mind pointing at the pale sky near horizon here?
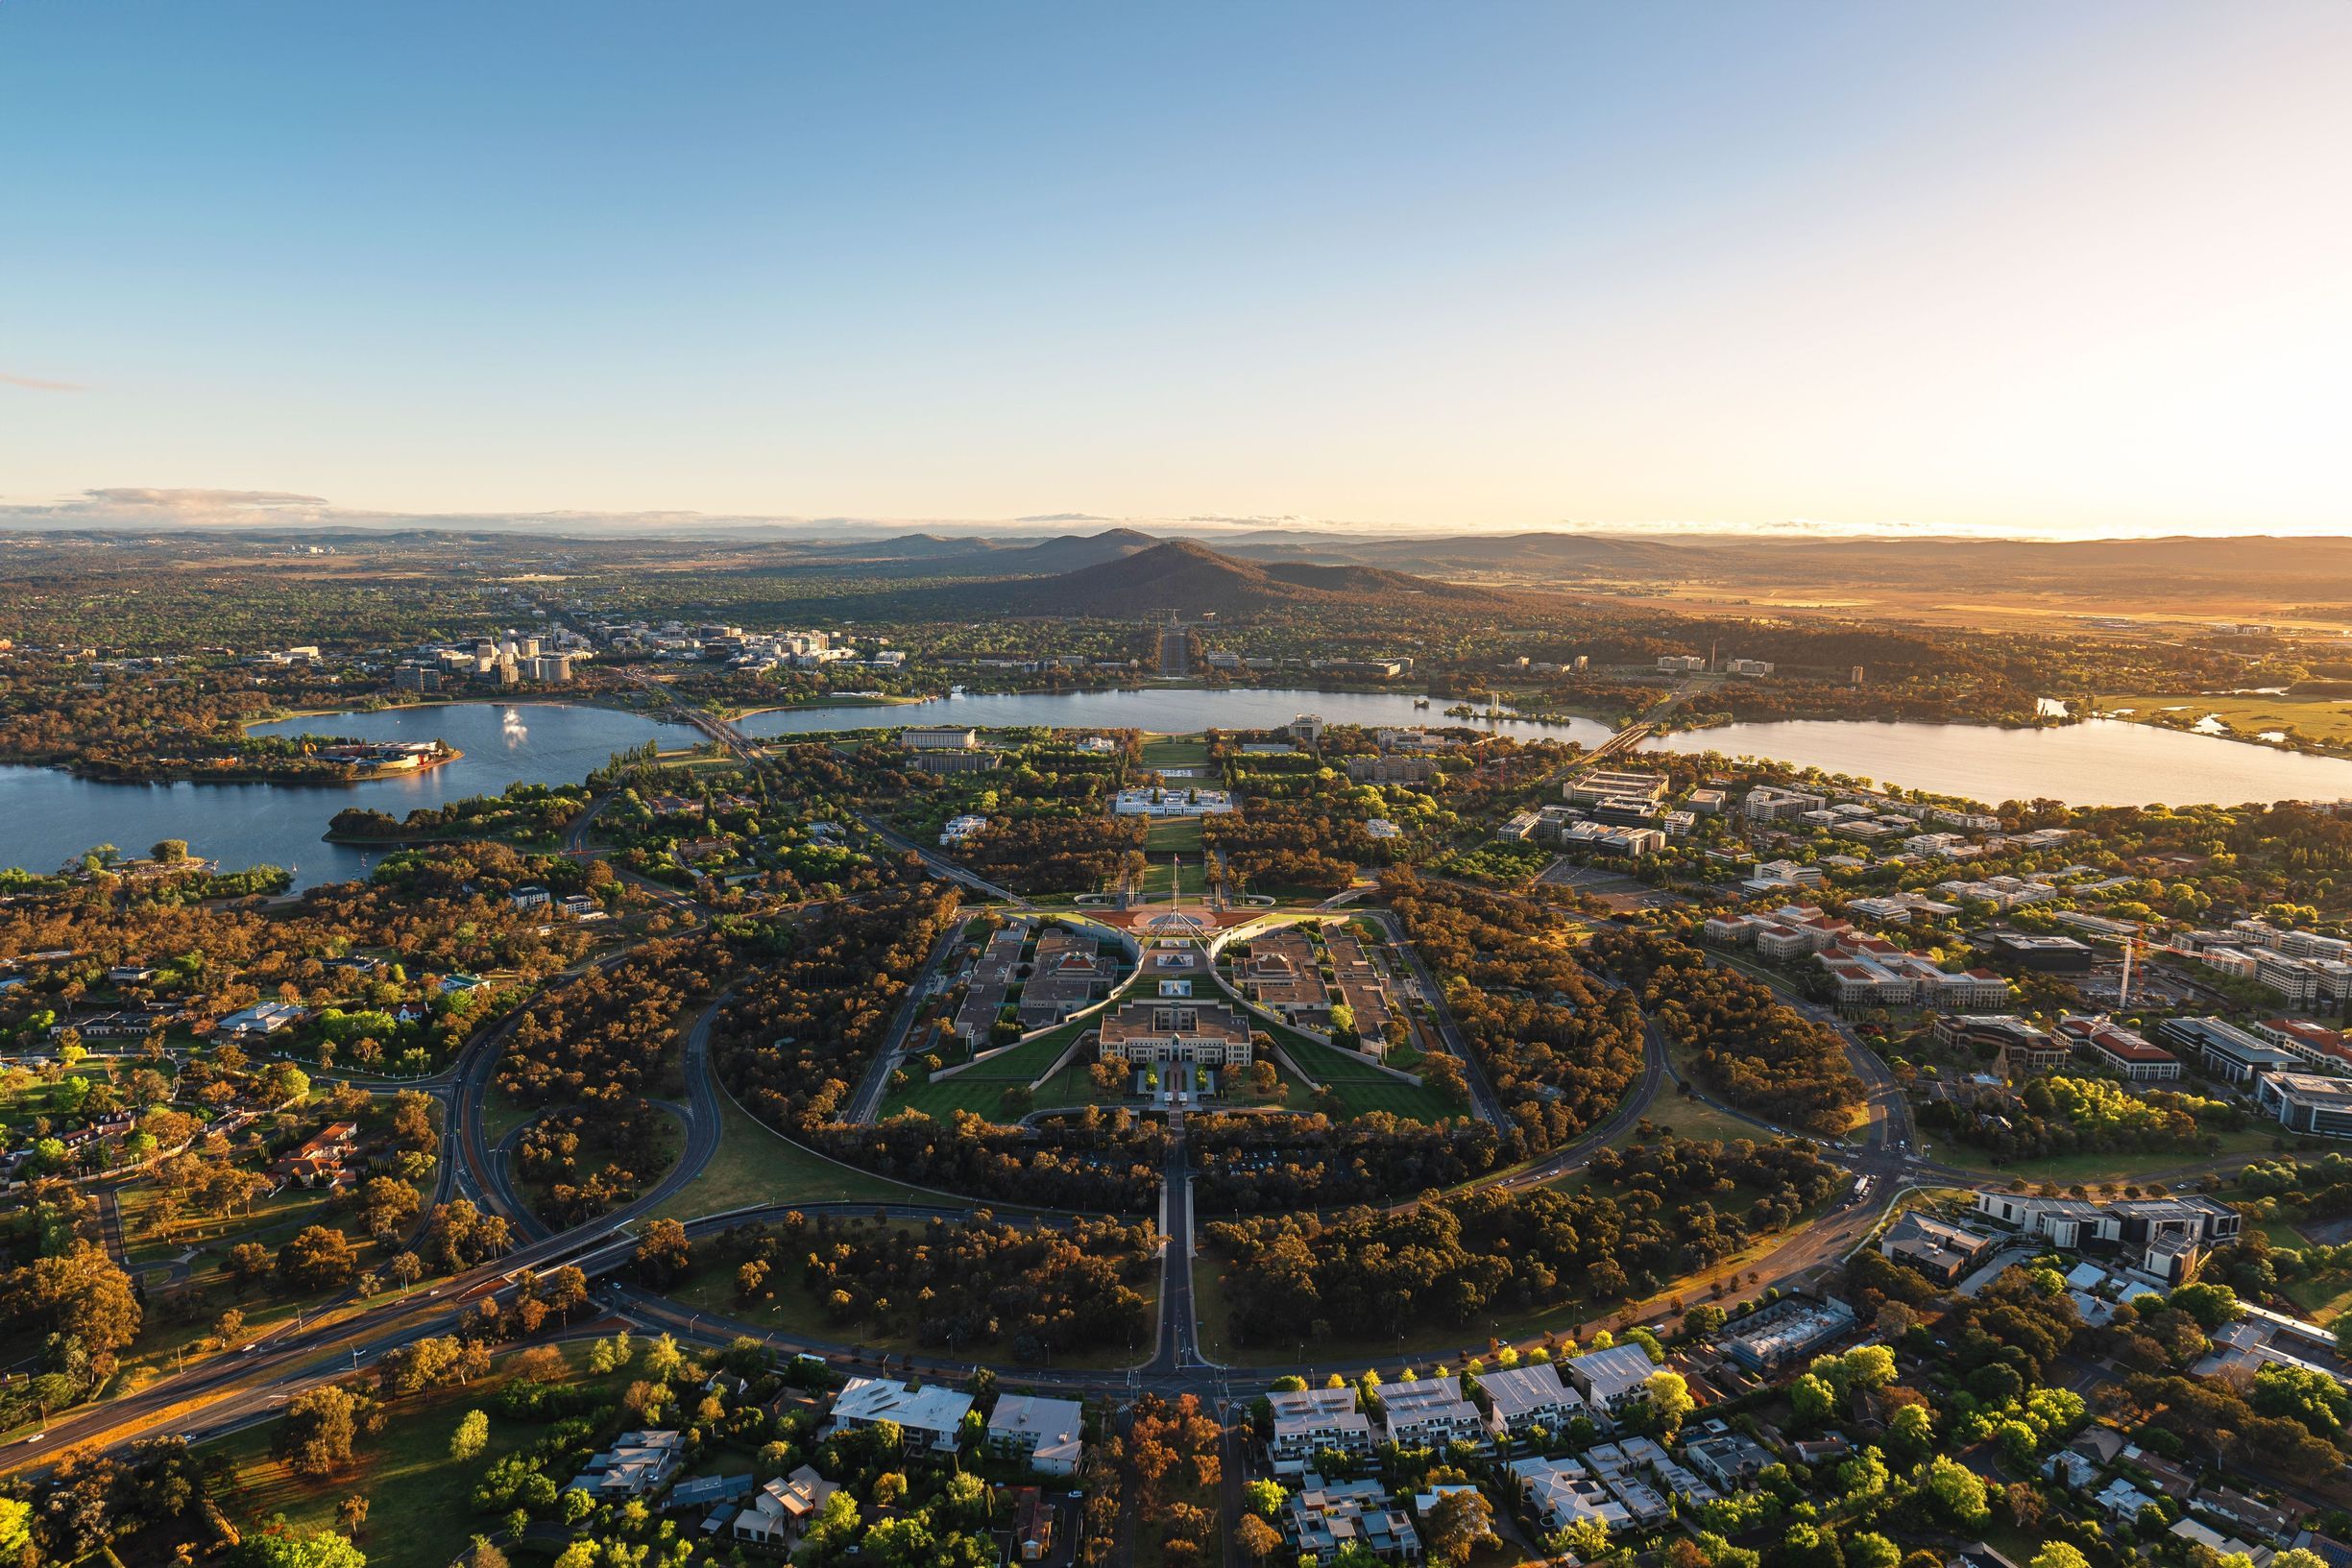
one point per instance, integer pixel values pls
(2008, 267)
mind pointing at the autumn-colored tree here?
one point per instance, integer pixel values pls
(1257, 1539)
(664, 1255)
(317, 1258)
(315, 1437)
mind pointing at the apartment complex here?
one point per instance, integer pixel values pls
(1308, 1420)
(1429, 1412)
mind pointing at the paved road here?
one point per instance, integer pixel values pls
(1177, 1347)
(941, 865)
(1483, 1098)
(867, 1103)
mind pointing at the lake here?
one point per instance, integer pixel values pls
(46, 816)
(2101, 762)
(1167, 710)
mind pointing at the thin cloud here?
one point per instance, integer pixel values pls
(33, 383)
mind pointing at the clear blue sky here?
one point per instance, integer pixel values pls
(2018, 267)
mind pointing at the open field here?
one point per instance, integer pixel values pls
(754, 1165)
(981, 1088)
(1173, 835)
(2317, 719)
(1166, 751)
(1694, 1119)
(1362, 1090)
(2068, 1170)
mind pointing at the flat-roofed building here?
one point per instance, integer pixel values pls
(1943, 1252)
(2307, 1102)
(938, 737)
(1068, 972)
(957, 761)
(2046, 954)
(1597, 785)
(1205, 1033)
(1790, 1328)
(929, 1416)
(991, 982)
(1769, 802)
(2229, 1052)
(1047, 1433)
(1395, 770)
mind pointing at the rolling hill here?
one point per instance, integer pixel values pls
(1191, 578)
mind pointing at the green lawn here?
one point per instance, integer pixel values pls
(273, 1219)
(755, 1165)
(1074, 1085)
(1696, 1119)
(941, 1101)
(981, 1088)
(1360, 1088)
(1171, 836)
(1409, 1101)
(32, 1099)
(2092, 1169)
(502, 1114)
(1166, 751)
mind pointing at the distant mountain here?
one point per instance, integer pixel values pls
(935, 555)
(1191, 578)
(1063, 553)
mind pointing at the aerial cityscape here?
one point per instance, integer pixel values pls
(1274, 788)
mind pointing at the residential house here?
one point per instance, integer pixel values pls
(638, 1465)
(1033, 1525)
(1730, 1460)
(1323, 1517)
(1559, 1493)
(780, 1509)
